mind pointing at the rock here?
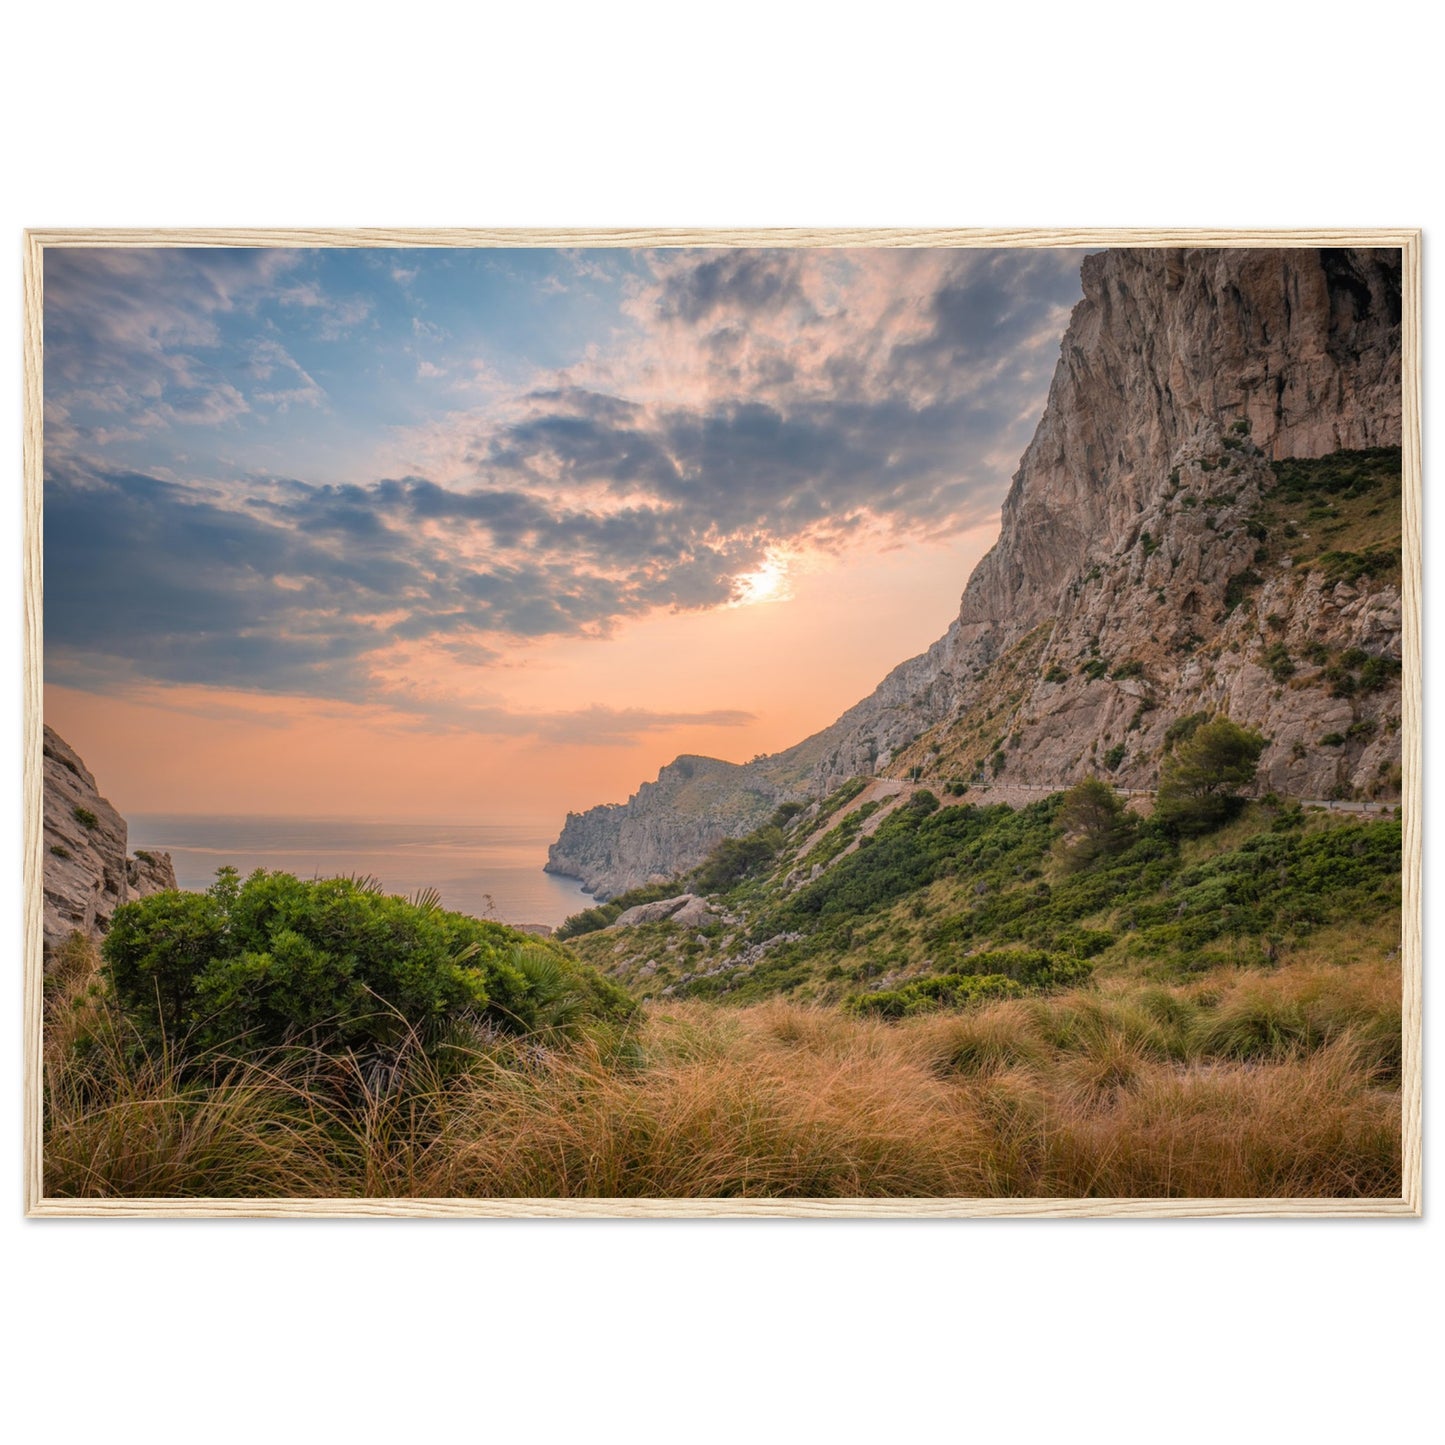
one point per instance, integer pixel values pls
(687, 909)
(1168, 359)
(86, 874)
(84, 862)
(667, 826)
(147, 873)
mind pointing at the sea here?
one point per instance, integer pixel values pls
(488, 870)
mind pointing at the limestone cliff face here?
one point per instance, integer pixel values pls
(86, 873)
(1142, 570)
(666, 825)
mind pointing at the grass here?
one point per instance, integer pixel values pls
(1243, 1084)
(1339, 514)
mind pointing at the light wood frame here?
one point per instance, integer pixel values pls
(1409, 1204)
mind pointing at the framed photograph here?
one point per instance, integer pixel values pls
(895, 723)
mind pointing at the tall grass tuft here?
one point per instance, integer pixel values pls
(1252, 1085)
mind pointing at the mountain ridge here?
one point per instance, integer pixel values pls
(1179, 481)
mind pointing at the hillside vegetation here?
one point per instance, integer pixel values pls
(894, 998)
(962, 890)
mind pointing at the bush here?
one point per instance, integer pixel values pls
(604, 915)
(737, 858)
(333, 965)
(1349, 567)
(1276, 661)
(1183, 728)
(932, 994)
(1005, 973)
(1377, 672)
(85, 818)
(1238, 588)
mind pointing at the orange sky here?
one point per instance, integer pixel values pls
(794, 661)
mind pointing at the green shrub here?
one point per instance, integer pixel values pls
(1183, 728)
(60, 850)
(333, 965)
(1377, 672)
(604, 915)
(932, 994)
(1349, 567)
(1238, 588)
(1002, 973)
(85, 818)
(1114, 756)
(1276, 661)
(1340, 474)
(1333, 740)
(737, 858)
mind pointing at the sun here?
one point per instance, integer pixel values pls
(767, 584)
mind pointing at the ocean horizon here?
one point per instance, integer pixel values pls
(489, 870)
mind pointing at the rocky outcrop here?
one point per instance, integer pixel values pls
(86, 873)
(667, 825)
(1138, 575)
(687, 909)
(147, 873)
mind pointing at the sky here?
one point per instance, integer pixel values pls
(454, 534)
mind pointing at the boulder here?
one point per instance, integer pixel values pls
(686, 909)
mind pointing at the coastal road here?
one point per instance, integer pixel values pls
(1001, 793)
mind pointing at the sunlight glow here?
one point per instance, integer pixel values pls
(768, 584)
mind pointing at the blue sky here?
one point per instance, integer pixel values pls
(247, 362)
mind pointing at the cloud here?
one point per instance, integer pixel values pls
(138, 341)
(742, 404)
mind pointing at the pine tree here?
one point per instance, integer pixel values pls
(1201, 781)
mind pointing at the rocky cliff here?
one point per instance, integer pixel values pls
(86, 873)
(1207, 519)
(668, 824)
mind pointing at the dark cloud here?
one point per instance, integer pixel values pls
(749, 281)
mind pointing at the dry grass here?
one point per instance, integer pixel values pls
(1241, 1085)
